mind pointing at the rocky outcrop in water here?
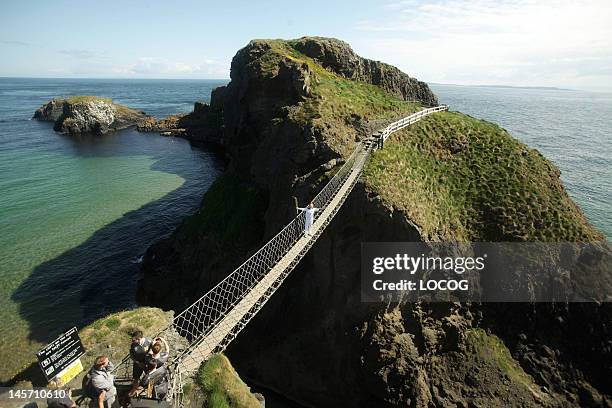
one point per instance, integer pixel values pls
(286, 124)
(50, 111)
(88, 115)
(203, 125)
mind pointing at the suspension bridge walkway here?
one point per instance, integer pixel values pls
(214, 320)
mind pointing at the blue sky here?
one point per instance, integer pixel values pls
(513, 42)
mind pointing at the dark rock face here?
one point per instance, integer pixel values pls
(51, 111)
(315, 341)
(340, 58)
(201, 126)
(318, 343)
(260, 153)
(88, 115)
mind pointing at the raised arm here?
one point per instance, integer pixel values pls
(165, 343)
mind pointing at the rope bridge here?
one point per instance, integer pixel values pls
(214, 320)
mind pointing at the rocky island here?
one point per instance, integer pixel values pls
(291, 114)
(88, 114)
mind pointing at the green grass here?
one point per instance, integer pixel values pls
(233, 211)
(491, 348)
(222, 385)
(87, 98)
(464, 179)
(332, 95)
(335, 102)
(111, 335)
(113, 323)
(338, 98)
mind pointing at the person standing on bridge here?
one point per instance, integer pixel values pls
(309, 213)
(138, 352)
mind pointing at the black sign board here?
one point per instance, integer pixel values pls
(60, 353)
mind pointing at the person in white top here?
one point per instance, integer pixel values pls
(155, 352)
(309, 212)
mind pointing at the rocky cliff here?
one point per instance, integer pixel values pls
(88, 114)
(338, 57)
(291, 113)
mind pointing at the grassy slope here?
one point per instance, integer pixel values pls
(492, 352)
(108, 336)
(333, 97)
(334, 102)
(222, 386)
(464, 179)
(122, 109)
(87, 98)
(111, 335)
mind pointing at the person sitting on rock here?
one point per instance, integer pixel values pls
(138, 353)
(155, 352)
(309, 213)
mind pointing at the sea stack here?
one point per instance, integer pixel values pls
(88, 115)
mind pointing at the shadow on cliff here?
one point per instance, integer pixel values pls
(99, 276)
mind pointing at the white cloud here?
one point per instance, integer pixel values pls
(156, 66)
(518, 42)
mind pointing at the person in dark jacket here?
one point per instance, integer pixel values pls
(153, 383)
(138, 352)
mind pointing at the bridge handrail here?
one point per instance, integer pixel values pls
(284, 240)
(408, 120)
(197, 320)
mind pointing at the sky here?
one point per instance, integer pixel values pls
(565, 44)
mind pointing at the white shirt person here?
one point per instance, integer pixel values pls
(309, 213)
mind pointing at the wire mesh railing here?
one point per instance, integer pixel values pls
(188, 333)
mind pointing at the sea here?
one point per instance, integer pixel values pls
(77, 214)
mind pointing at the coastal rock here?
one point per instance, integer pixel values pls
(339, 57)
(50, 111)
(203, 125)
(285, 128)
(88, 114)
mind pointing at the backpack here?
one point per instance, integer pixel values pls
(87, 386)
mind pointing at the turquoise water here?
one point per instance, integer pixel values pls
(75, 213)
(573, 129)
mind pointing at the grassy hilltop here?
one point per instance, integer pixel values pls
(333, 96)
(459, 178)
(456, 177)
